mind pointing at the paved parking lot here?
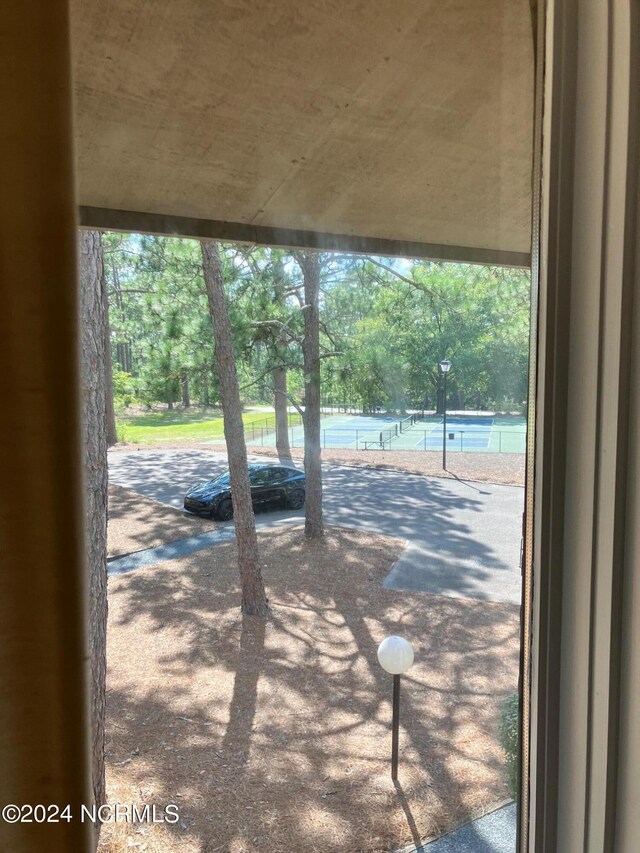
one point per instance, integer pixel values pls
(463, 538)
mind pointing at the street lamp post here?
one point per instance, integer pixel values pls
(395, 655)
(445, 367)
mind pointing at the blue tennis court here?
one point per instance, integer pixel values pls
(462, 434)
(378, 432)
(360, 432)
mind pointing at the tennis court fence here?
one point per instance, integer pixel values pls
(404, 435)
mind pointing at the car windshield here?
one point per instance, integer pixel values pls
(222, 480)
(256, 475)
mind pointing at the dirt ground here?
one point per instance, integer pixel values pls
(505, 468)
(276, 736)
(136, 523)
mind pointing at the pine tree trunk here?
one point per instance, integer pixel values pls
(93, 321)
(254, 599)
(310, 265)
(186, 399)
(282, 415)
(112, 436)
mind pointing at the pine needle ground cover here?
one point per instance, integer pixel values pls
(137, 523)
(276, 736)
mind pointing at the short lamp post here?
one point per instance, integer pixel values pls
(445, 367)
(395, 655)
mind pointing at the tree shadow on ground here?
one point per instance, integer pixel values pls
(137, 523)
(462, 543)
(276, 736)
(467, 542)
(164, 475)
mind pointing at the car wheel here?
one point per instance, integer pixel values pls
(225, 510)
(296, 499)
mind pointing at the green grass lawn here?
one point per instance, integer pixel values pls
(194, 424)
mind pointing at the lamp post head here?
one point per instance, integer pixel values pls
(445, 365)
(395, 655)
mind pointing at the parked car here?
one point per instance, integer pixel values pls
(270, 484)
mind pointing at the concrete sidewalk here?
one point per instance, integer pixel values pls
(180, 548)
(492, 833)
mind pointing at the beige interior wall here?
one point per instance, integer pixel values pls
(43, 707)
(407, 121)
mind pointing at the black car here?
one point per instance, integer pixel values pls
(269, 484)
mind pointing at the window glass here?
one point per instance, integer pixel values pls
(367, 201)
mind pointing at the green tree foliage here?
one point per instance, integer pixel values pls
(509, 727)
(385, 325)
(161, 332)
(398, 321)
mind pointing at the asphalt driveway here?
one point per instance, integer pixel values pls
(463, 538)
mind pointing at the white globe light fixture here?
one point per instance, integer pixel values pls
(395, 655)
